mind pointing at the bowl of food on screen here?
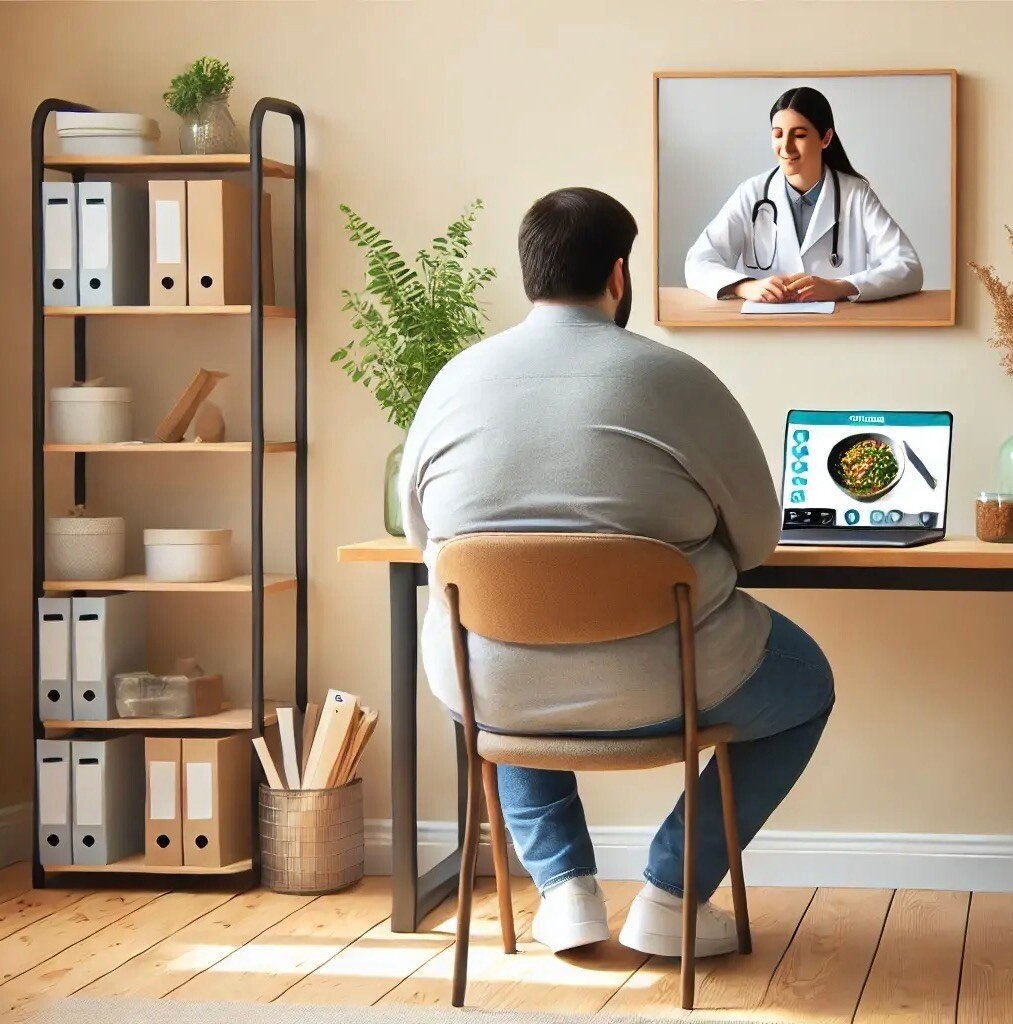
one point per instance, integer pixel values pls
(866, 466)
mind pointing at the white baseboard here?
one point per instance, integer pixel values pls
(844, 859)
(15, 833)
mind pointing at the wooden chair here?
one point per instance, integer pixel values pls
(537, 588)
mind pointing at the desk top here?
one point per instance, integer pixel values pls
(683, 307)
(951, 553)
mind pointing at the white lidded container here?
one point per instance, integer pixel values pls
(85, 547)
(89, 415)
(106, 134)
(188, 556)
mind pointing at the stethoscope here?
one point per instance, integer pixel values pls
(835, 256)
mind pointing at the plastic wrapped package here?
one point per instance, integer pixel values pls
(145, 695)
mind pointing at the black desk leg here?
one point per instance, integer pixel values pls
(412, 897)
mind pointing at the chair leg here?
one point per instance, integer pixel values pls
(497, 833)
(689, 899)
(734, 849)
(469, 855)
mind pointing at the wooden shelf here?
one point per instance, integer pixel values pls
(148, 447)
(159, 163)
(236, 719)
(273, 583)
(135, 865)
(270, 312)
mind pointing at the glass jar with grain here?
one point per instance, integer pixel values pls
(994, 517)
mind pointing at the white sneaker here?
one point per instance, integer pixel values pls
(571, 914)
(654, 925)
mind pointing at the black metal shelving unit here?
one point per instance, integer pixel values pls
(257, 167)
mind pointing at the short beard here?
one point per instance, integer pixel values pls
(622, 314)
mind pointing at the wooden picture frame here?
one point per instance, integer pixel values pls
(679, 306)
(173, 426)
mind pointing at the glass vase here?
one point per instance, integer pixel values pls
(210, 130)
(392, 519)
(1006, 467)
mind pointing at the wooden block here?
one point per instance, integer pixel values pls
(362, 735)
(338, 714)
(267, 763)
(289, 753)
(346, 747)
(309, 727)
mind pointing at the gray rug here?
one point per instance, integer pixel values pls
(158, 1011)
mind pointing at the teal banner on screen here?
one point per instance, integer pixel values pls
(869, 418)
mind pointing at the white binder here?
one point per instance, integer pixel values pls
(107, 779)
(113, 244)
(54, 658)
(59, 243)
(109, 636)
(52, 764)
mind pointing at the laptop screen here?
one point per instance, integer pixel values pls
(866, 469)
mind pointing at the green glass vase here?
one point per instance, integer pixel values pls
(392, 520)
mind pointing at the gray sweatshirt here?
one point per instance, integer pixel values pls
(568, 423)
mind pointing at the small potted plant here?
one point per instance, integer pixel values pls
(414, 321)
(200, 96)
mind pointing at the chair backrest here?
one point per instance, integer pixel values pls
(564, 588)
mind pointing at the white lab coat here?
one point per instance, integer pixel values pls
(878, 257)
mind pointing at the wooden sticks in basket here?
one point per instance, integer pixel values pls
(332, 739)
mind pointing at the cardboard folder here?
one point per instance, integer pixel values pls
(107, 779)
(112, 225)
(109, 636)
(167, 280)
(55, 701)
(216, 799)
(52, 765)
(59, 243)
(219, 244)
(163, 821)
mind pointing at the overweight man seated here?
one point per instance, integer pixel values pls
(570, 423)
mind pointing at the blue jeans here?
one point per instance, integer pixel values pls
(777, 715)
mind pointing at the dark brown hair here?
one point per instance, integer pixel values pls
(815, 108)
(569, 242)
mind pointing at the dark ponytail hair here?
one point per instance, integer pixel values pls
(815, 107)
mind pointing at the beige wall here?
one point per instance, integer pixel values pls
(413, 109)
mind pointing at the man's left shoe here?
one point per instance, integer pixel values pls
(571, 914)
(654, 925)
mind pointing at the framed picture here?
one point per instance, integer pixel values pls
(815, 198)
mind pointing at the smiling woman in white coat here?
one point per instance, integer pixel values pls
(812, 229)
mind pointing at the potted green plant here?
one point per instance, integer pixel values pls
(414, 320)
(200, 96)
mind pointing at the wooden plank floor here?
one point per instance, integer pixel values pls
(853, 956)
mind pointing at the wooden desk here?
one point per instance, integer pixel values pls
(683, 307)
(951, 564)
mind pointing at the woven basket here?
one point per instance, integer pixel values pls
(311, 841)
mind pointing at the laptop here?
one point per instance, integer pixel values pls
(866, 479)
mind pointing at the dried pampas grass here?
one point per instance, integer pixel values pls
(1001, 295)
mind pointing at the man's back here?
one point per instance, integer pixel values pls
(568, 423)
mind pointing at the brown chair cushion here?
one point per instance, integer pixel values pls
(572, 753)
